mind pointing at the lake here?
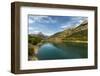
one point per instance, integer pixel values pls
(52, 51)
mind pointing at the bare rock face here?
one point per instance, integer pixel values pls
(82, 26)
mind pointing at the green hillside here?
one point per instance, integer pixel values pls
(77, 34)
(81, 35)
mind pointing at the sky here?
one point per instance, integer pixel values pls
(50, 25)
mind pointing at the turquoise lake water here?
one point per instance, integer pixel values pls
(51, 51)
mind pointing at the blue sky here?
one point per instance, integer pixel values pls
(50, 25)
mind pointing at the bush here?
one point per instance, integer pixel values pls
(30, 50)
(34, 40)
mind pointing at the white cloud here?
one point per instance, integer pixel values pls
(67, 26)
(31, 21)
(51, 20)
(37, 18)
(30, 28)
(41, 19)
(36, 31)
(74, 22)
(64, 26)
(80, 21)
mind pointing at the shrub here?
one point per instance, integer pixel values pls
(34, 40)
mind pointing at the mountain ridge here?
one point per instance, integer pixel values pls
(77, 34)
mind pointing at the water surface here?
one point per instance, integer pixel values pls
(50, 51)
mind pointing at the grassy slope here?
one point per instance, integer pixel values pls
(79, 34)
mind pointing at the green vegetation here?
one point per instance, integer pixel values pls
(31, 50)
(80, 36)
(34, 39)
(32, 46)
(76, 35)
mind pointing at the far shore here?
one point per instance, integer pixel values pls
(78, 41)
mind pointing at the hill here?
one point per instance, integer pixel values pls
(76, 34)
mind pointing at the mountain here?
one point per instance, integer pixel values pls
(78, 33)
(40, 34)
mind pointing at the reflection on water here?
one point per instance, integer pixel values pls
(48, 51)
